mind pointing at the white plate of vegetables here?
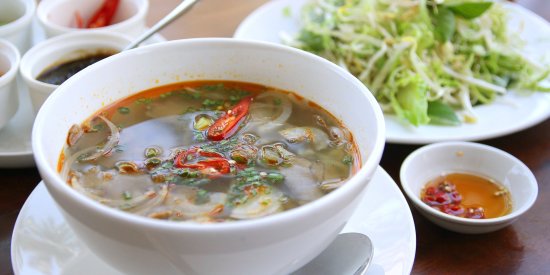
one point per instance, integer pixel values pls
(441, 70)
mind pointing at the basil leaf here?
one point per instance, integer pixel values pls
(442, 114)
(444, 23)
(470, 10)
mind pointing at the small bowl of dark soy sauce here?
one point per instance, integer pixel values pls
(60, 72)
(50, 63)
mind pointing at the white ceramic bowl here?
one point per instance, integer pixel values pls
(9, 64)
(58, 16)
(276, 244)
(60, 49)
(432, 160)
(19, 13)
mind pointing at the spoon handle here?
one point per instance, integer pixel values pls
(183, 7)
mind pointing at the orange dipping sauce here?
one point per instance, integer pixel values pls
(468, 196)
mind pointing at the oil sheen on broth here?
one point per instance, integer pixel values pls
(209, 151)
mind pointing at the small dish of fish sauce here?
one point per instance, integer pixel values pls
(467, 195)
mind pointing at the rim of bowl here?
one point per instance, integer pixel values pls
(30, 8)
(14, 59)
(28, 58)
(532, 183)
(367, 167)
(44, 8)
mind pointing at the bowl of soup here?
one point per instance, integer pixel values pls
(209, 156)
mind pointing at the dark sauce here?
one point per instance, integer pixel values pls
(57, 74)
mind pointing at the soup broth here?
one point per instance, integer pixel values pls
(209, 151)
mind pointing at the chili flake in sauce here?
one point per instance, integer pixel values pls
(468, 196)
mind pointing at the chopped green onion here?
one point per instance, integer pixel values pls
(202, 196)
(144, 101)
(152, 151)
(124, 110)
(276, 177)
(202, 122)
(127, 195)
(348, 159)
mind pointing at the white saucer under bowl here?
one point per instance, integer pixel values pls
(42, 243)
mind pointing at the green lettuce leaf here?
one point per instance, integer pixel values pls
(410, 100)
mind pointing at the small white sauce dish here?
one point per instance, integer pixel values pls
(61, 49)
(58, 16)
(15, 22)
(432, 160)
(9, 64)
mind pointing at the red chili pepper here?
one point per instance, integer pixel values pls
(78, 20)
(213, 160)
(104, 15)
(224, 127)
(213, 167)
(193, 153)
(221, 165)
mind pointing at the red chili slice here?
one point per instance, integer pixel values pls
(193, 153)
(78, 20)
(213, 165)
(225, 126)
(104, 15)
(221, 165)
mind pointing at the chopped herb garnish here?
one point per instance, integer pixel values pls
(144, 101)
(153, 162)
(212, 103)
(165, 95)
(277, 101)
(276, 177)
(347, 160)
(202, 196)
(153, 151)
(189, 110)
(127, 195)
(124, 110)
(212, 88)
(202, 122)
(198, 136)
(97, 128)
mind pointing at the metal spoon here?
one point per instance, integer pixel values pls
(183, 7)
(350, 253)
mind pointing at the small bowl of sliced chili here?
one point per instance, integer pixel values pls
(468, 187)
(63, 16)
